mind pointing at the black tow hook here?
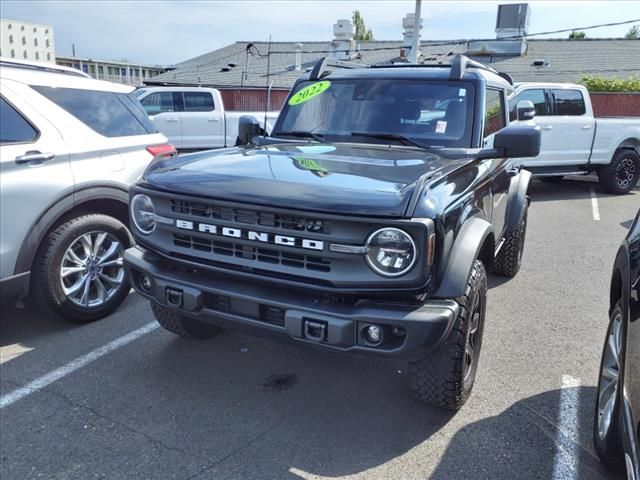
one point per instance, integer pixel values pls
(174, 297)
(315, 331)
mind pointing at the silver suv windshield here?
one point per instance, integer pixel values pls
(374, 110)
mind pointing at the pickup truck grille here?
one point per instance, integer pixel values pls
(274, 243)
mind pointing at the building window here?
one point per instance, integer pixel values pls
(24, 40)
(35, 42)
(48, 57)
(13, 53)
(24, 54)
(35, 29)
(10, 38)
(22, 28)
(46, 42)
(100, 70)
(37, 56)
(9, 27)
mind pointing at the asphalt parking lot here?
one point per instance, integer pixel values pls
(159, 407)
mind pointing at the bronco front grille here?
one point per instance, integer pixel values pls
(248, 216)
(248, 252)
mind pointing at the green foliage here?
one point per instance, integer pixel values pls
(362, 33)
(577, 35)
(633, 33)
(599, 84)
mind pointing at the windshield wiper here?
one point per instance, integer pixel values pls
(299, 133)
(390, 136)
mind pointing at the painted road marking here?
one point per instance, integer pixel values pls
(565, 463)
(73, 365)
(594, 205)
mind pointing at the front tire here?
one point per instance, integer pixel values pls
(606, 428)
(622, 174)
(79, 271)
(445, 377)
(182, 325)
(509, 259)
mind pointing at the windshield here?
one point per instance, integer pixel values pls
(374, 110)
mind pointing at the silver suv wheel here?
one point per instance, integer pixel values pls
(92, 269)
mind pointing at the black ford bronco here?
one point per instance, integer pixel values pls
(366, 222)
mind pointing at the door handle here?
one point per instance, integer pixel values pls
(586, 127)
(547, 127)
(173, 120)
(34, 156)
(213, 119)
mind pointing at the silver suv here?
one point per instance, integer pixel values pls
(69, 148)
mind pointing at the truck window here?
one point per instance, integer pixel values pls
(107, 113)
(535, 96)
(158, 102)
(494, 118)
(568, 102)
(198, 102)
(13, 126)
(431, 112)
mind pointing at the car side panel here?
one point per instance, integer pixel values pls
(27, 189)
(610, 134)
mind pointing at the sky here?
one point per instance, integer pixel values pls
(166, 33)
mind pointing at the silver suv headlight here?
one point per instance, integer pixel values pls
(143, 214)
(391, 252)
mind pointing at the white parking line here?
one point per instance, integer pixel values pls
(565, 462)
(72, 366)
(594, 205)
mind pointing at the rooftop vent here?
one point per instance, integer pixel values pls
(511, 29)
(343, 44)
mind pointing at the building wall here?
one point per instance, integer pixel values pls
(252, 99)
(616, 104)
(112, 71)
(27, 41)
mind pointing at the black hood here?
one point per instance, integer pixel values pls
(343, 178)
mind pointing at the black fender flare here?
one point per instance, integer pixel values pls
(518, 198)
(56, 210)
(466, 249)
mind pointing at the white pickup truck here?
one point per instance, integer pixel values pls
(574, 142)
(194, 118)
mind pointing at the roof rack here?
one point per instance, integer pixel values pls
(325, 62)
(460, 64)
(42, 67)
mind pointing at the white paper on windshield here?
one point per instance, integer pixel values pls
(441, 126)
(462, 92)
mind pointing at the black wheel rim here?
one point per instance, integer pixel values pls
(625, 172)
(472, 344)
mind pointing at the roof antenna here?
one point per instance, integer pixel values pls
(267, 99)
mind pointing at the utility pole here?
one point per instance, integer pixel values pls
(73, 50)
(415, 39)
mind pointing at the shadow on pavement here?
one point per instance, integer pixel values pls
(547, 436)
(570, 188)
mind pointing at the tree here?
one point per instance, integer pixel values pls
(633, 33)
(362, 33)
(577, 35)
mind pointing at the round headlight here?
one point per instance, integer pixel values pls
(390, 252)
(143, 213)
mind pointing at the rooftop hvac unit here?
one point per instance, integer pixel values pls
(513, 19)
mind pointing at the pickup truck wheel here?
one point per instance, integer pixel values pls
(445, 377)
(507, 262)
(606, 428)
(182, 325)
(622, 174)
(78, 271)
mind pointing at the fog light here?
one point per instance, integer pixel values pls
(373, 334)
(145, 283)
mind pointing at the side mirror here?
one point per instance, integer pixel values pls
(526, 110)
(248, 129)
(518, 141)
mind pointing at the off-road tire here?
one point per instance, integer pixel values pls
(182, 325)
(509, 258)
(610, 449)
(607, 174)
(45, 283)
(438, 378)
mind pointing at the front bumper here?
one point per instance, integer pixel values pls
(264, 310)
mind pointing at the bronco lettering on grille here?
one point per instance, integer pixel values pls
(251, 235)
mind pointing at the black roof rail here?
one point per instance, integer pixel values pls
(43, 68)
(325, 62)
(460, 64)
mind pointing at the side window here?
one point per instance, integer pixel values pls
(198, 102)
(568, 102)
(535, 96)
(158, 102)
(494, 118)
(14, 128)
(107, 113)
